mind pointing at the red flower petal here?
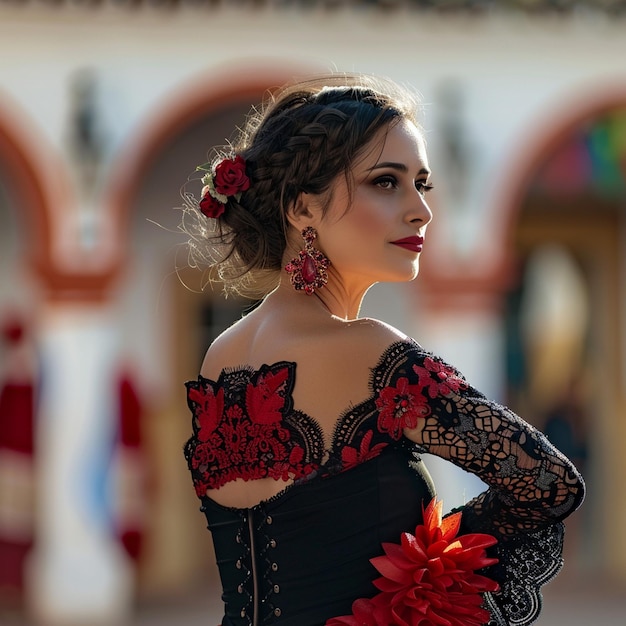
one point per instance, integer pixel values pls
(210, 206)
(450, 526)
(390, 567)
(429, 579)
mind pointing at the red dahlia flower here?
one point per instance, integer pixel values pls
(429, 579)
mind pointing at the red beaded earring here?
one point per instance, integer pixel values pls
(308, 269)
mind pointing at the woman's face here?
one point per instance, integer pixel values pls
(379, 235)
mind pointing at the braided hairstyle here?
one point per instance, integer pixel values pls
(305, 137)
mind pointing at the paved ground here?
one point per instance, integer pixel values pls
(588, 603)
(567, 603)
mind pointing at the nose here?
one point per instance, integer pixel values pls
(419, 211)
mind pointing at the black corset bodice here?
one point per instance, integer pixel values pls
(297, 560)
(303, 556)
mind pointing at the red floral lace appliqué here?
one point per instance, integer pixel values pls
(400, 407)
(248, 439)
(429, 578)
(351, 457)
(438, 379)
(403, 404)
(245, 425)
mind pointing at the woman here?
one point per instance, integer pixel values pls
(309, 420)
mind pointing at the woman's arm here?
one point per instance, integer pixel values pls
(531, 483)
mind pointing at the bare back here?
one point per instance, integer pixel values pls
(333, 360)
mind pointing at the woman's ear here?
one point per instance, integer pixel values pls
(302, 212)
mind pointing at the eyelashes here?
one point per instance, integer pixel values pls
(391, 182)
(386, 182)
(423, 187)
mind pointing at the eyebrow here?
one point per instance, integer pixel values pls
(398, 166)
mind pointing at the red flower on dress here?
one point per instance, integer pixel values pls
(293, 468)
(429, 579)
(400, 407)
(351, 457)
(364, 613)
(210, 206)
(207, 410)
(265, 443)
(230, 176)
(438, 378)
(246, 438)
(265, 397)
(204, 455)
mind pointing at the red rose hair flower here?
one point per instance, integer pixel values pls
(430, 578)
(230, 177)
(210, 206)
(227, 179)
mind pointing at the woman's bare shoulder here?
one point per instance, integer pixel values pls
(228, 350)
(334, 359)
(340, 362)
(349, 350)
(374, 330)
(367, 337)
(336, 347)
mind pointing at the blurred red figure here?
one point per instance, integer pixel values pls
(131, 486)
(17, 401)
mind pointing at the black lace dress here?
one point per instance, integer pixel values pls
(302, 557)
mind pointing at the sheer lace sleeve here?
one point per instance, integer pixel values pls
(532, 483)
(532, 486)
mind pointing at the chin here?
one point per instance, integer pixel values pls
(402, 277)
(394, 273)
(413, 272)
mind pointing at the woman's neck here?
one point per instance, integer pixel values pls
(334, 298)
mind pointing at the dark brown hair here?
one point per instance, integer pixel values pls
(302, 139)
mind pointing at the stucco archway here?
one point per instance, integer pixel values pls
(159, 320)
(39, 186)
(28, 185)
(586, 226)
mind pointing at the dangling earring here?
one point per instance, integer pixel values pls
(308, 269)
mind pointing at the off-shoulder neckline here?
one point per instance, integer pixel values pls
(225, 372)
(406, 345)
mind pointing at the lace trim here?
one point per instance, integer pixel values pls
(226, 446)
(244, 426)
(526, 563)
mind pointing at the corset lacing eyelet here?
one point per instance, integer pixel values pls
(243, 566)
(268, 566)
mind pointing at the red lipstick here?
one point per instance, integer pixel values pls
(410, 243)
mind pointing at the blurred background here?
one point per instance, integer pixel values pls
(107, 106)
